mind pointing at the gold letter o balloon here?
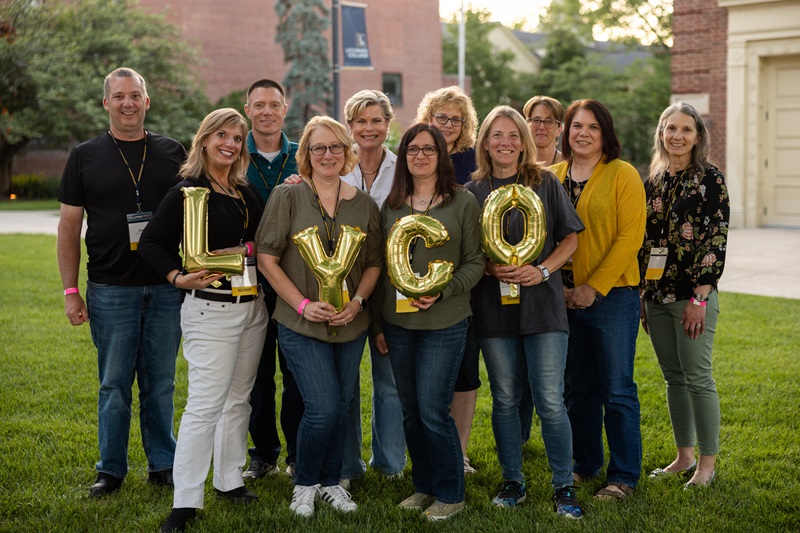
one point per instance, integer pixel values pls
(495, 246)
(398, 243)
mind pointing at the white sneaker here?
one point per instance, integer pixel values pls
(344, 483)
(338, 498)
(303, 499)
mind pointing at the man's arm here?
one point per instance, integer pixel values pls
(69, 258)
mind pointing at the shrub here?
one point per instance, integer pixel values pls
(34, 186)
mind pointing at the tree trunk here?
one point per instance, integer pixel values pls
(7, 154)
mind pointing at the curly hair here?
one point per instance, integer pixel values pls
(453, 95)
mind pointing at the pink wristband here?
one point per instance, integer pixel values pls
(302, 306)
(249, 248)
(698, 302)
(71, 290)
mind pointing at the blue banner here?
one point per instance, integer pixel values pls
(354, 37)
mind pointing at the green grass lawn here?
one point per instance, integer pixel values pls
(48, 442)
(29, 205)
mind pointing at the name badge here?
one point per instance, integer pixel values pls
(345, 293)
(508, 296)
(136, 225)
(403, 304)
(656, 264)
(247, 283)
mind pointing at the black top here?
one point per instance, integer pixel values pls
(97, 179)
(541, 308)
(464, 163)
(226, 221)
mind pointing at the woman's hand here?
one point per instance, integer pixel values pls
(240, 249)
(196, 280)
(380, 342)
(425, 302)
(348, 314)
(319, 312)
(526, 275)
(694, 320)
(582, 296)
(294, 179)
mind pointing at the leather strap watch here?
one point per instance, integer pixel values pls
(545, 272)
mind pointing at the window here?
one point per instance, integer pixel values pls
(393, 87)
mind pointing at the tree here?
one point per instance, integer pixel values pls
(494, 82)
(636, 21)
(301, 24)
(54, 57)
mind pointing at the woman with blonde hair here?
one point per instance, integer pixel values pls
(223, 330)
(524, 343)
(322, 345)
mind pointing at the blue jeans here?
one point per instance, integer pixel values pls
(425, 365)
(600, 387)
(536, 363)
(388, 438)
(137, 333)
(326, 374)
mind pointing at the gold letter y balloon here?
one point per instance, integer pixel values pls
(195, 237)
(398, 243)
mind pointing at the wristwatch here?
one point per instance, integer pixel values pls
(361, 302)
(545, 272)
(701, 297)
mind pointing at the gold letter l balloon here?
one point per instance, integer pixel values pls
(330, 270)
(398, 242)
(495, 246)
(195, 237)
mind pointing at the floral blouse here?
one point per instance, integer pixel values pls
(697, 210)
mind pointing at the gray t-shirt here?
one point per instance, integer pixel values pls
(541, 308)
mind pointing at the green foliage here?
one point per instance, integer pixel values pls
(236, 100)
(34, 186)
(301, 25)
(52, 71)
(494, 82)
(48, 437)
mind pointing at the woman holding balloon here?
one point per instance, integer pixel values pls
(319, 246)
(425, 324)
(520, 318)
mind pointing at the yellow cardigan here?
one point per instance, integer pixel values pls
(613, 209)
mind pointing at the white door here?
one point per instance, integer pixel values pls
(781, 184)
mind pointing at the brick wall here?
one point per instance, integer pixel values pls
(699, 62)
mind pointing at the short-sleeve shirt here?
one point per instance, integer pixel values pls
(541, 308)
(97, 179)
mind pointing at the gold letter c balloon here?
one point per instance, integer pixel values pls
(495, 246)
(398, 243)
(195, 237)
(330, 270)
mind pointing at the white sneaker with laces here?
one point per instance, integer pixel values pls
(303, 499)
(338, 498)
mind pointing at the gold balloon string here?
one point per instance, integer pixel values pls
(245, 213)
(329, 231)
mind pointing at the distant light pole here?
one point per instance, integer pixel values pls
(462, 47)
(336, 66)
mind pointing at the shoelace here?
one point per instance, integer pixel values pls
(337, 493)
(305, 495)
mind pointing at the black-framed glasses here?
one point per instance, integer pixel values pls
(320, 149)
(444, 119)
(427, 150)
(547, 123)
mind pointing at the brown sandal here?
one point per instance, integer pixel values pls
(620, 491)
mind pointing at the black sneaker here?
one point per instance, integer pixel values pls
(178, 518)
(238, 495)
(162, 478)
(509, 494)
(259, 468)
(565, 503)
(105, 484)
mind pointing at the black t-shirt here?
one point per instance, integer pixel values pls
(541, 308)
(97, 179)
(230, 222)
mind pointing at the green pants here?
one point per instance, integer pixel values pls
(686, 365)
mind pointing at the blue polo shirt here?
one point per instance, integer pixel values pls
(265, 176)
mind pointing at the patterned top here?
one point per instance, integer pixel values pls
(697, 207)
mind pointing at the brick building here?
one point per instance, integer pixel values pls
(738, 63)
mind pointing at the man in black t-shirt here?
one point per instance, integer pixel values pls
(118, 179)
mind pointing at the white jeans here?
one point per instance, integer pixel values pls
(222, 344)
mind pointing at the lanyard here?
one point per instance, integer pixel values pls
(245, 213)
(568, 184)
(253, 160)
(330, 232)
(507, 216)
(127, 165)
(665, 221)
(378, 171)
(413, 244)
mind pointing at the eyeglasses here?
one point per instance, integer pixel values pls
(320, 149)
(427, 150)
(444, 119)
(547, 123)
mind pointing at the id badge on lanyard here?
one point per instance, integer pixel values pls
(506, 294)
(656, 264)
(403, 303)
(136, 224)
(247, 283)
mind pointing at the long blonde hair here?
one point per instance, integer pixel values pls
(197, 162)
(528, 168)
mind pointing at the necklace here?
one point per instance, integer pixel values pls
(229, 191)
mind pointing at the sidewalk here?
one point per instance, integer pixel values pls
(762, 261)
